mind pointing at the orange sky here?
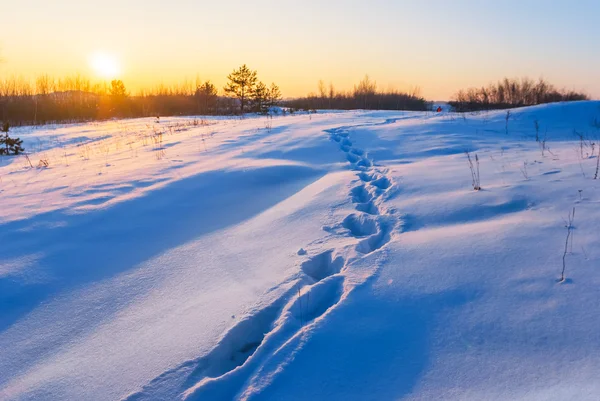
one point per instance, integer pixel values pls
(439, 46)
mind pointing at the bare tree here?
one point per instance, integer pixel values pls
(511, 92)
(322, 93)
(364, 95)
(331, 93)
(365, 91)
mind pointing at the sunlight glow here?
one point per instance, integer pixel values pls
(105, 65)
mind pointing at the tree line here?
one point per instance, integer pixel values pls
(365, 95)
(75, 99)
(509, 93)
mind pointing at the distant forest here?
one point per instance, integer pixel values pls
(76, 99)
(510, 93)
(365, 95)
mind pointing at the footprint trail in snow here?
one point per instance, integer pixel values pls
(254, 351)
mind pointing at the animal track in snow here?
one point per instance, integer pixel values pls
(237, 346)
(262, 333)
(373, 225)
(360, 225)
(360, 194)
(232, 351)
(375, 241)
(322, 265)
(352, 158)
(367, 207)
(317, 299)
(382, 182)
(365, 177)
(364, 163)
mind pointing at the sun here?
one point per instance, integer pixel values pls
(105, 65)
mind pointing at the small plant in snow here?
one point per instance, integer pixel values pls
(8, 145)
(569, 227)
(28, 160)
(536, 124)
(506, 118)
(543, 146)
(474, 171)
(157, 138)
(44, 163)
(524, 171)
(269, 123)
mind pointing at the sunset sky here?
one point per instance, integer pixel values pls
(440, 46)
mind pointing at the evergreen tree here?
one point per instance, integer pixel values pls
(8, 145)
(274, 95)
(241, 84)
(260, 98)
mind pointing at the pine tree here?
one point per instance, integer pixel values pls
(4, 139)
(260, 98)
(8, 145)
(241, 84)
(274, 95)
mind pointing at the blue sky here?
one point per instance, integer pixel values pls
(439, 46)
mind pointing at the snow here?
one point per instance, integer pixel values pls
(341, 255)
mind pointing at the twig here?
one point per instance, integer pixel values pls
(597, 164)
(569, 227)
(524, 170)
(28, 161)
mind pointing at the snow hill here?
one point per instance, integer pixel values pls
(336, 256)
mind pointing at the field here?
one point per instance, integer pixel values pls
(338, 255)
